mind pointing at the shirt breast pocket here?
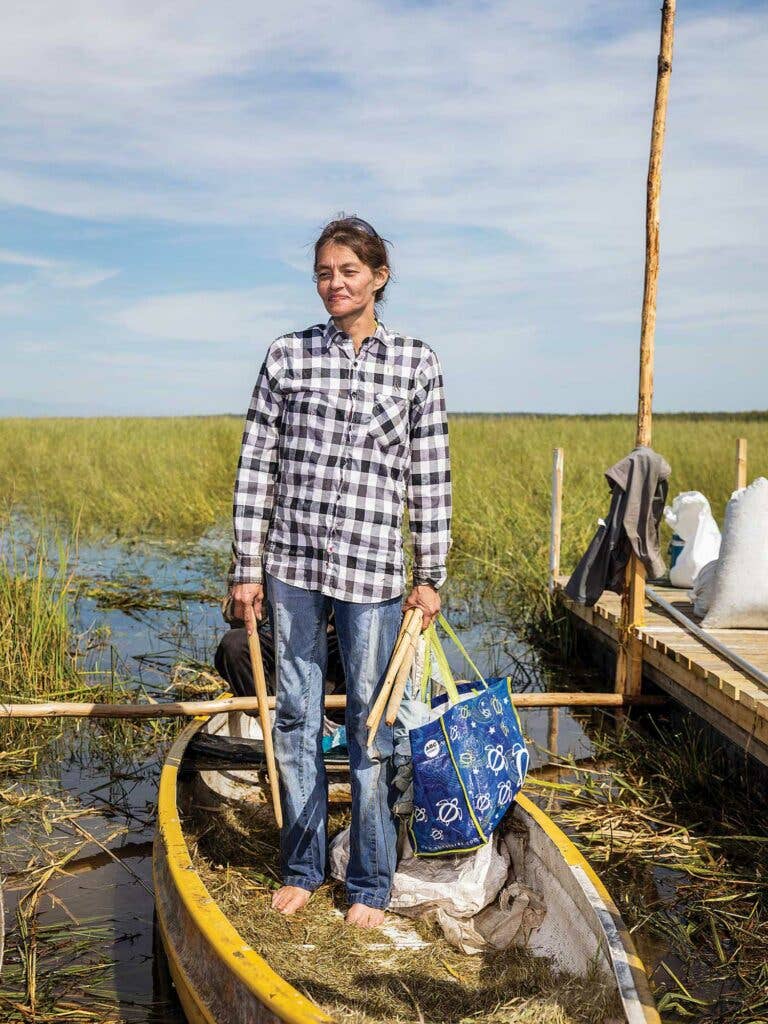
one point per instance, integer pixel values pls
(389, 420)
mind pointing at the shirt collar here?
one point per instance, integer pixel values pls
(332, 332)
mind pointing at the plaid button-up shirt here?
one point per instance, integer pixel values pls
(335, 443)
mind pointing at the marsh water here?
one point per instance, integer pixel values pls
(142, 610)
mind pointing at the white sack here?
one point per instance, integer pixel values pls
(701, 595)
(740, 589)
(459, 884)
(691, 519)
(510, 919)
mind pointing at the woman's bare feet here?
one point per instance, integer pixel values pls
(364, 917)
(290, 898)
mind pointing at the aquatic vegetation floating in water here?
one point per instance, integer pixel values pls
(680, 837)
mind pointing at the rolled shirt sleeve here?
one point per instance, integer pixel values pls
(257, 470)
(429, 483)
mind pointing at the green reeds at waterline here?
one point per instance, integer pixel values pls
(172, 479)
(37, 649)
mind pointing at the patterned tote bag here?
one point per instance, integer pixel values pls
(469, 762)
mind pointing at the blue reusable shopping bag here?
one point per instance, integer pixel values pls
(468, 764)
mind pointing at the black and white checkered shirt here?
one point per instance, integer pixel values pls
(334, 442)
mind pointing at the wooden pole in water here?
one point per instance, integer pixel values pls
(741, 463)
(226, 705)
(558, 459)
(629, 660)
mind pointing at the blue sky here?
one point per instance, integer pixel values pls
(166, 167)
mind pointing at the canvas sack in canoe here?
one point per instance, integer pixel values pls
(469, 762)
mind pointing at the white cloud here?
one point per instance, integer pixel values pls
(503, 147)
(208, 316)
(59, 273)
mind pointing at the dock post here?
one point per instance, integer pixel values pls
(629, 660)
(741, 463)
(558, 459)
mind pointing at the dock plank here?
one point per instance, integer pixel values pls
(672, 653)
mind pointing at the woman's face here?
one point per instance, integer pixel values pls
(346, 285)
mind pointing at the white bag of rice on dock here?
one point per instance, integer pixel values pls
(701, 594)
(461, 885)
(739, 597)
(690, 517)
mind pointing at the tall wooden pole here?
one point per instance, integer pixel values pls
(558, 457)
(741, 463)
(629, 664)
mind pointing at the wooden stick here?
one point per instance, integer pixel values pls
(741, 463)
(406, 645)
(398, 689)
(401, 646)
(257, 667)
(553, 730)
(557, 517)
(629, 659)
(205, 708)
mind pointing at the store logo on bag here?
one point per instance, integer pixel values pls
(483, 802)
(504, 791)
(431, 748)
(449, 811)
(496, 760)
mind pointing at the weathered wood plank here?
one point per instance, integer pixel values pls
(670, 651)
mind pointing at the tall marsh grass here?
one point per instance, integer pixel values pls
(172, 479)
(37, 649)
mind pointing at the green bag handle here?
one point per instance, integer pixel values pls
(434, 649)
(462, 649)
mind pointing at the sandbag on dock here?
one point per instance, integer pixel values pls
(740, 588)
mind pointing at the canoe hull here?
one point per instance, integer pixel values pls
(222, 980)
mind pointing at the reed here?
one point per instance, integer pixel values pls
(36, 643)
(172, 479)
(663, 808)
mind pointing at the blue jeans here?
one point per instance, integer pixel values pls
(367, 635)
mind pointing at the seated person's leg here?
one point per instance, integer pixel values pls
(233, 663)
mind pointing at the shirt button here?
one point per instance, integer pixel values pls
(354, 365)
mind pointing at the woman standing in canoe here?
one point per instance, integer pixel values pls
(346, 423)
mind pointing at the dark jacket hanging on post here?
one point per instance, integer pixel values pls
(639, 485)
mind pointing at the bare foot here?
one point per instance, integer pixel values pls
(290, 898)
(364, 917)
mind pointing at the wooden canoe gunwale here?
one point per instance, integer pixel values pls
(240, 985)
(245, 987)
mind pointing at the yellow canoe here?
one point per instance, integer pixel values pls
(221, 979)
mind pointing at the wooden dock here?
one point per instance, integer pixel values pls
(682, 666)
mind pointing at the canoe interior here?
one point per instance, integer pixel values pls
(582, 928)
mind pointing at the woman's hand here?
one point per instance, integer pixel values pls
(248, 600)
(426, 598)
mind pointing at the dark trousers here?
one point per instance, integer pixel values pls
(233, 663)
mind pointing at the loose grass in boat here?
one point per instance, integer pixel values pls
(376, 977)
